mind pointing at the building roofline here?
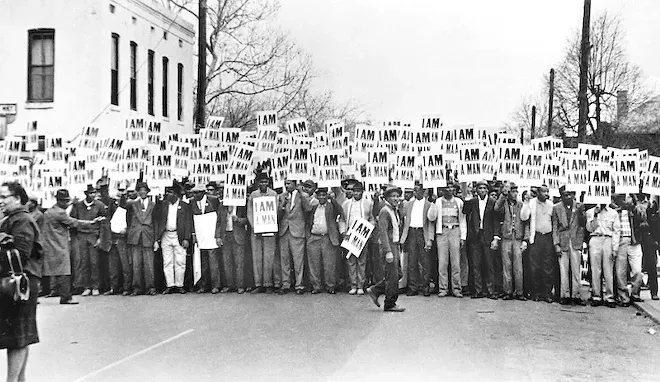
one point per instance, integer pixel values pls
(165, 15)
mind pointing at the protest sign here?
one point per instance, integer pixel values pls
(651, 180)
(577, 172)
(264, 209)
(235, 188)
(377, 170)
(160, 171)
(329, 174)
(358, 235)
(297, 127)
(214, 122)
(118, 221)
(203, 171)
(266, 118)
(434, 171)
(470, 163)
(219, 156)
(626, 173)
(365, 138)
(432, 121)
(554, 176)
(404, 170)
(31, 137)
(531, 168)
(599, 186)
(509, 160)
(180, 158)
(241, 158)
(88, 139)
(299, 160)
(266, 142)
(136, 130)
(205, 225)
(548, 145)
(153, 133)
(280, 165)
(230, 135)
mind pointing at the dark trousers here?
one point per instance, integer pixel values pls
(322, 259)
(86, 262)
(542, 260)
(419, 273)
(375, 267)
(389, 285)
(649, 262)
(481, 264)
(143, 268)
(210, 268)
(120, 265)
(62, 286)
(527, 272)
(233, 259)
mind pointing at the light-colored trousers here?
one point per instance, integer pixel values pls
(512, 270)
(569, 268)
(263, 258)
(628, 254)
(602, 264)
(449, 249)
(174, 260)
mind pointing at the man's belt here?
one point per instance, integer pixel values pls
(319, 234)
(450, 226)
(416, 227)
(600, 235)
(170, 230)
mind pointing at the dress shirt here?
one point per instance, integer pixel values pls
(482, 210)
(202, 204)
(609, 224)
(172, 209)
(320, 226)
(230, 218)
(145, 204)
(293, 197)
(417, 214)
(544, 217)
(355, 211)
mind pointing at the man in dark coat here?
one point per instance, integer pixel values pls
(201, 204)
(141, 238)
(55, 241)
(86, 261)
(234, 233)
(173, 234)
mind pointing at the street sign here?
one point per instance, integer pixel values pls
(7, 109)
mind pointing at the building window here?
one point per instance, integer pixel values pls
(114, 70)
(150, 82)
(133, 75)
(179, 92)
(165, 69)
(41, 65)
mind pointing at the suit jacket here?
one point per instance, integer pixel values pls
(141, 231)
(184, 224)
(212, 204)
(386, 229)
(293, 219)
(473, 219)
(333, 212)
(428, 225)
(55, 240)
(567, 228)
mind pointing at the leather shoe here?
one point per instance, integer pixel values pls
(548, 300)
(240, 290)
(135, 293)
(69, 302)
(111, 292)
(636, 299)
(625, 304)
(152, 292)
(564, 301)
(373, 296)
(300, 291)
(215, 290)
(270, 290)
(426, 293)
(315, 291)
(200, 291)
(225, 290)
(596, 302)
(478, 295)
(654, 297)
(52, 294)
(411, 293)
(167, 290)
(493, 296)
(579, 301)
(181, 290)
(395, 308)
(282, 291)
(610, 304)
(507, 297)
(125, 293)
(257, 290)
(521, 298)
(332, 291)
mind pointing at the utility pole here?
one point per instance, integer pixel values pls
(533, 129)
(551, 100)
(522, 135)
(200, 116)
(584, 69)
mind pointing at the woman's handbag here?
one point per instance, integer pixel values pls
(14, 285)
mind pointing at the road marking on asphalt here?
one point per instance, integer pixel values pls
(150, 348)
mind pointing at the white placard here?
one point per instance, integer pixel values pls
(264, 209)
(205, 230)
(358, 235)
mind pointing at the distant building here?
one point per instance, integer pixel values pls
(70, 63)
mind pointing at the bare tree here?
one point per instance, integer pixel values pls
(609, 72)
(521, 116)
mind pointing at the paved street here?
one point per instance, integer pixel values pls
(336, 338)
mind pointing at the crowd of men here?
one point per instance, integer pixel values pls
(482, 240)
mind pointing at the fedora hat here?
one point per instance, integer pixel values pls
(90, 189)
(142, 185)
(62, 194)
(389, 189)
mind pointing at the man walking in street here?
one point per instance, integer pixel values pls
(55, 241)
(514, 234)
(417, 237)
(323, 242)
(538, 212)
(450, 234)
(604, 225)
(568, 221)
(174, 234)
(141, 238)
(482, 228)
(86, 263)
(263, 244)
(389, 222)
(294, 204)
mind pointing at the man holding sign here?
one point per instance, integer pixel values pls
(323, 242)
(263, 243)
(206, 209)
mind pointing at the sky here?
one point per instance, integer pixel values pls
(470, 61)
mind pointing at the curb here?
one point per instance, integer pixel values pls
(648, 311)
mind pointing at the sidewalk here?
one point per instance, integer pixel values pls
(649, 307)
